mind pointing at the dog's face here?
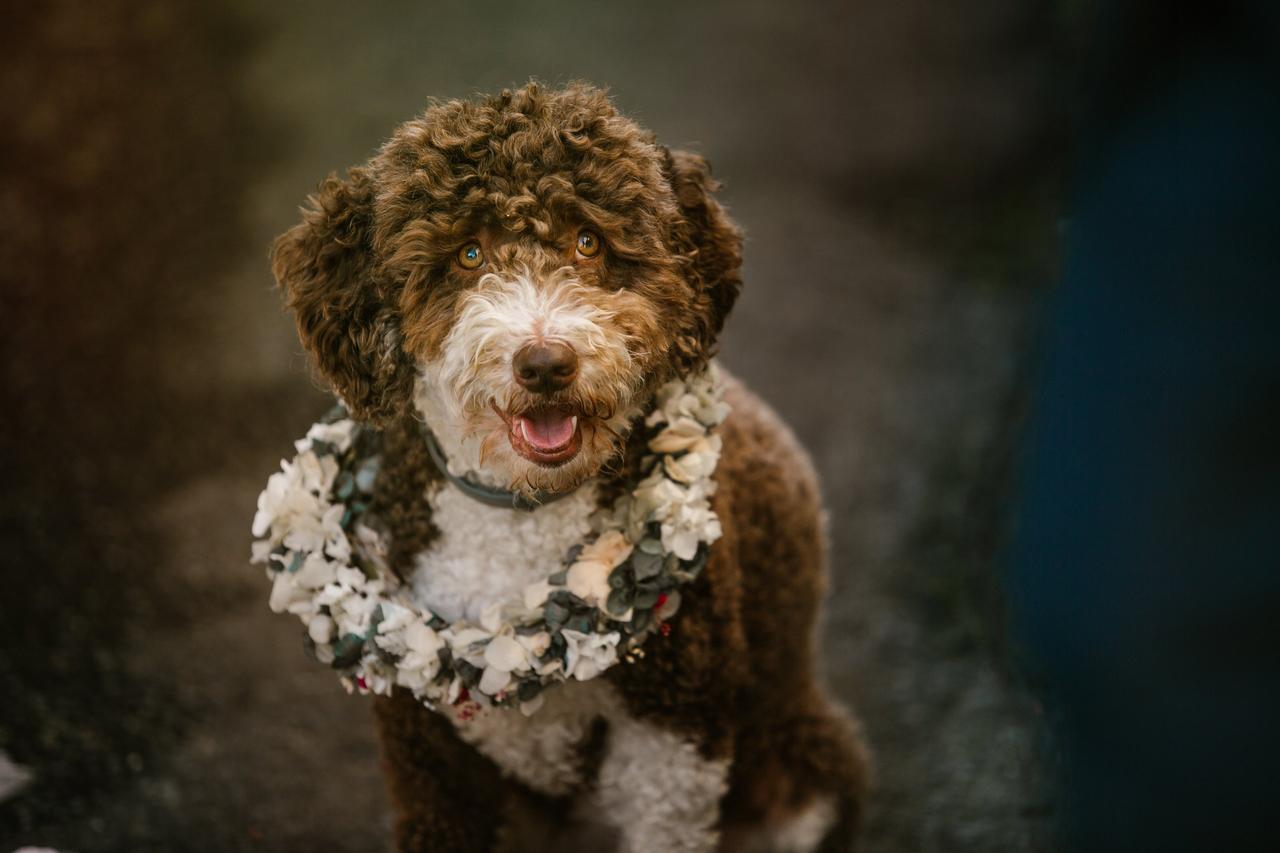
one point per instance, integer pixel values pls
(521, 273)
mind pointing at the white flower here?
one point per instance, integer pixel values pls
(351, 577)
(320, 532)
(653, 493)
(421, 639)
(588, 655)
(395, 618)
(535, 594)
(420, 646)
(284, 498)
(506, 654)
(502, 656)
(467, 644)
(332, 594)
(494, 680)
(688, 524)
(320, 628)
(351, 612)
(491, 617)
(285, 593)
(535, 644)
(315, 572)
(260, 551)
(316, 473)
(374, 547)
(337, 433)
(663, 400)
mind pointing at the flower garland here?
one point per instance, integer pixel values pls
(326, 556)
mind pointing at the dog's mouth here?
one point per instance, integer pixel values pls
(545, 436)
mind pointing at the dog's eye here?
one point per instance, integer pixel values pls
(470, 256)
(588, 244)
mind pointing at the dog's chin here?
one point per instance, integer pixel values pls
(550, 456)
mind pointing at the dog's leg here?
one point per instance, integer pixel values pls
(670, 750)
(446, 796)
(659, 789)
(799, 782)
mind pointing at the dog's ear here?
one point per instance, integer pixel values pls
(711, 242)
(326, 267)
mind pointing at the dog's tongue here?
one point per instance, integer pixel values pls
(548, 430)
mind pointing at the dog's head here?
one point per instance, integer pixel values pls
(523, 271)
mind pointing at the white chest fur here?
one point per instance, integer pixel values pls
(652, 784)
(487, 555)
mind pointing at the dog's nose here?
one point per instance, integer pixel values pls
(546, 367)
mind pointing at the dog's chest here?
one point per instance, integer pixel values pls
(550, 750)
(487, 555)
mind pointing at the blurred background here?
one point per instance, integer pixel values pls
(900, 170)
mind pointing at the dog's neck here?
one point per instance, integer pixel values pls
(459, 459)
(486, 494)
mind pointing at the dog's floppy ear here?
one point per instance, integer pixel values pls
(326, 267)
(711, 241)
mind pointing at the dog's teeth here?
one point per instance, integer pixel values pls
(573, 421)
(524, 430)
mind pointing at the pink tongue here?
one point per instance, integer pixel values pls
(547, 430)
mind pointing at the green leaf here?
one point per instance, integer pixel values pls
(347, 651)
(646, 598)
(650, 546)
(367, 474)
(568, 599)
(620, 578)
(646, 565)
(345, 486)
(555, 613)
(468, 672)
(619, 601)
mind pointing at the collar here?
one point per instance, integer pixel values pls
(489, 495)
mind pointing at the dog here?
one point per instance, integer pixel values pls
(521, 273)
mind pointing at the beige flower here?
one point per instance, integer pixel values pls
(610, 548)
(682, 434)
(589, 580)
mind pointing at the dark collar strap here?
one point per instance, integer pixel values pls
(486, 494)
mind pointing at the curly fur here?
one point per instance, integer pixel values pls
(720, 733)
(367, 273)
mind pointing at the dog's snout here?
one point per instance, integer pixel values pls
(545, 367)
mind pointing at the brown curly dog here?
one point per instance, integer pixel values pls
(520, 274)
